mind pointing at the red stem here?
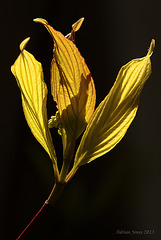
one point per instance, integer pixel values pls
(43, 210)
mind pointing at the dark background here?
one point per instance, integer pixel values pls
(119, 191)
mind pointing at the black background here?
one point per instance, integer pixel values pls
(119, 191)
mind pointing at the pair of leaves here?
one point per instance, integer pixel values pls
(72, 88)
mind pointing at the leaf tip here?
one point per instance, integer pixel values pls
(40, 20)
(24, 43)
(151, 48)
(76, 26)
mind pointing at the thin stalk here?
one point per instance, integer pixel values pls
(67, 158)
(43, 210)
(64, 170)
(55, 193)
(60, 182)
(56, 172)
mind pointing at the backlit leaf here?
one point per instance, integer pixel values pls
(71, 83)
(76, 26)
(29, 75)
(114, 115)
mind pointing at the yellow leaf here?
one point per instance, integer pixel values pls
(115, 113)
(29, 75)
(76, 26)
(71, 83)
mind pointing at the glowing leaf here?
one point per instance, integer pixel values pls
(29, 75)
(71, 83)
(76, 26)
(114, 115)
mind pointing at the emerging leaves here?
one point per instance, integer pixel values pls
(73, 90)
(115, 113)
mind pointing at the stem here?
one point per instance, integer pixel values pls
(56, 172)
(67, 158)
(60, 182)
(55, 193)
(64, 171)
(43, 210)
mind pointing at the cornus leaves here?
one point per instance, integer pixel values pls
(73, 90)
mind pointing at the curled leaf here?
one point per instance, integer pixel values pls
(29, 75)
(115, 113)
(72, 85)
